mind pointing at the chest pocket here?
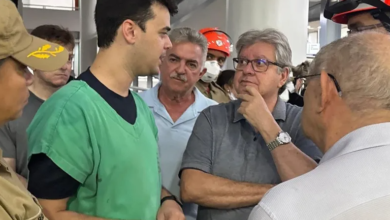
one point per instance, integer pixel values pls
(244, 156)
(39, 216)
(260, 166)
(16, 201)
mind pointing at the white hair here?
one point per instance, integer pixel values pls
(360, 64)
(271, 36)
(185, 34)
(283, 53)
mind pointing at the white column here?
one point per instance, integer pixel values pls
(288, 16)
(88, 38)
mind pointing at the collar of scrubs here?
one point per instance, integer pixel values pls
(192, 111)
(371, 136)
(279, 111)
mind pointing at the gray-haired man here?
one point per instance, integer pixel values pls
(176, 103)
(347, 114)
(239, 150)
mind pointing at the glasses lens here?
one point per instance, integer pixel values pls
(240, 63)
(260, 65)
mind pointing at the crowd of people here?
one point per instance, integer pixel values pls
(203, 143)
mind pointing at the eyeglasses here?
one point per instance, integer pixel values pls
(258, 65)
(330, 75)
(353, 30)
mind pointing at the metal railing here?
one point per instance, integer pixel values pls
(143, 83)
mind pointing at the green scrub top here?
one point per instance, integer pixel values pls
(115, 162)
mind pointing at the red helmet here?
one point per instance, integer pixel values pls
(217, 40)
(339, 11)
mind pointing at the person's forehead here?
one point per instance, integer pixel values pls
(258, 50)
(186, 50)
(216, 53)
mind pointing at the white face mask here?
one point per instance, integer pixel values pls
(213, 70)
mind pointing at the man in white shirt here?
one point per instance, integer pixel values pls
(176, 103)
(347, 115)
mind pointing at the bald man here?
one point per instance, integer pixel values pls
(347, 115)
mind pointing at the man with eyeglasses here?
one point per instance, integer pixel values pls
(239, 150)
(349, 120)
(360, 15)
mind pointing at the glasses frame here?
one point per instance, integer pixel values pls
(337, 85)
(235, 62)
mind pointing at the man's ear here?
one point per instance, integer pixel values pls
(130, 31)
(204, 71)
(284, 77)
(327, 87)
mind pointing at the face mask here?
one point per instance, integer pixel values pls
(212, 73)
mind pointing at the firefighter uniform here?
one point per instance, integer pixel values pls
(213, 91)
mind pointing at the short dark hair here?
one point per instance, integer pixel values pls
(55, 34)
(225, 77)
(110, 14)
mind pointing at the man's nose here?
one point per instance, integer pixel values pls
(181, 69)
(248, 69)
(168, 44)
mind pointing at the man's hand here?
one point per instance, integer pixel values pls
(253, 106)
(255, 110)
(170, 210)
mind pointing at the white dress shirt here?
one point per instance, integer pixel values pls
(352, 182)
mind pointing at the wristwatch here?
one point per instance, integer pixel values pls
(171, 197)
(282, 138)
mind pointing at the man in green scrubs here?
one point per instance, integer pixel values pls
(93, 150)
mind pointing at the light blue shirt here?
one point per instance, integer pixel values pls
(173, 138)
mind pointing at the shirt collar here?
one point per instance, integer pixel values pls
(279, 111)
(370, 136)
(199, 104)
